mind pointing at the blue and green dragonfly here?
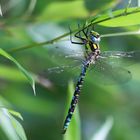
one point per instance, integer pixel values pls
(101, 61)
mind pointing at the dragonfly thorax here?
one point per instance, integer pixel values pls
(94, 39)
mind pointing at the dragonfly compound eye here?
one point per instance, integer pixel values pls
(95, 37)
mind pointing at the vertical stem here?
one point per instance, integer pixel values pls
(1, 11)
(138, 3)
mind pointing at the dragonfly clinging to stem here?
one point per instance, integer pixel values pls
(93, 56)
(92, 52)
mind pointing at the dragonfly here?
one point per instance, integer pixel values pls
(92, 52)
(99, 60)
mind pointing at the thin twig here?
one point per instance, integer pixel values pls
(121, 34)
(66, 34)
(39, 44)
(138, 3)
(1, 11)
(31, 7)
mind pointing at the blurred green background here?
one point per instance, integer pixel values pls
(27, 22)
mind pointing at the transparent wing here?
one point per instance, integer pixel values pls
(120, 58)
(109, 68)
(100, 73)
(61, 74)
(105, 73)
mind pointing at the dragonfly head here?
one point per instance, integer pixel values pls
(95, 37)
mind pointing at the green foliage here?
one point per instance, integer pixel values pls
(35, 34)
(11, 127)
(123, 18)
(96, 5)
(28, 76)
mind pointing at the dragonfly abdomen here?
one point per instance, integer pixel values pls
(75, 97)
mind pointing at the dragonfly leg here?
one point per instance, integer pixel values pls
(78, 35)
(85, 31)
(79, 32)
(80, 43)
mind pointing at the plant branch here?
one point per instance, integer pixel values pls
(39, 44)
(121, 34)
(125, 13)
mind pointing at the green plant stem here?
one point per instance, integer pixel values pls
(138, 3)
(129, 2)
(121, 34)
(125, 13)
(31, 7)
(119, 15)
(39, 44)
(0, 11)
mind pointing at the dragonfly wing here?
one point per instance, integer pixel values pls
(61, 75)
(62, 66)
(120, 58)
(107, 70)
(106, 73)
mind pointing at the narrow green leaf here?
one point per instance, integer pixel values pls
(100, 6)
(73, 131)
(121, 34)
(103, 132)
(6, 125)
(119, 18)
(11, 127)
(17, 114)
(8, 73)
(18, 128)
(25, 72)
